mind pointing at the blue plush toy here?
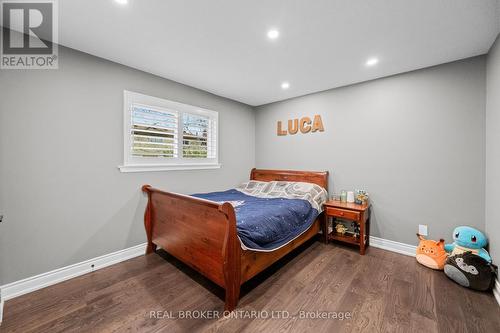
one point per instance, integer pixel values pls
(468, 239)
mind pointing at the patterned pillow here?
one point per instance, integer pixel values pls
(315, 194)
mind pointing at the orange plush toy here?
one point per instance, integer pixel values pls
(431, 253)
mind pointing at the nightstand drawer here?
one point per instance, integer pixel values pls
(342, 213)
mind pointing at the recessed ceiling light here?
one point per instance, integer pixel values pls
(273, 34)
(285, 85)
(371, 62)
(121, 2)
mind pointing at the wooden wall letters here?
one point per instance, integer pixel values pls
(305, 125)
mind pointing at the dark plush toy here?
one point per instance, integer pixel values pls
(471, 271)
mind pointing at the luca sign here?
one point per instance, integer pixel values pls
(304, 125)
(29, 34)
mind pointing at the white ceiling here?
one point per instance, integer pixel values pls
(221, 45)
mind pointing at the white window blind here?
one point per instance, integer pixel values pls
(166, 135)
(198, 136)
(154, 132)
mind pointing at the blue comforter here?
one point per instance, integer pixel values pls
(266, 224)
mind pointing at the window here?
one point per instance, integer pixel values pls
(166, 135)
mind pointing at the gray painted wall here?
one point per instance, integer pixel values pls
(61, 141)
(493, 150)
(415, 141)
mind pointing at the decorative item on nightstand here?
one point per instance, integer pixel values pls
(343, 196)
(361, 197)
(340, 228)
(355, 228)
(350, 196)
(335, 197)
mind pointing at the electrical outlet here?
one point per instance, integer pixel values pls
(422, 229)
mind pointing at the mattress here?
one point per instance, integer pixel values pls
(269, 215)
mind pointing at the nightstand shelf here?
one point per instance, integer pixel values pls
(346, 238)
(349, 212)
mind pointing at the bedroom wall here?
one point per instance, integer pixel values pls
(61, 141)
(493, 150)
(415, 141)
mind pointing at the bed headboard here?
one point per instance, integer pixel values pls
(316, 177)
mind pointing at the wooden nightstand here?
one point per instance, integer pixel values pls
(350, 212)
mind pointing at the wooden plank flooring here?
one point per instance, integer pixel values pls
(384, 291)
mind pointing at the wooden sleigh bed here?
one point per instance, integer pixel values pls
(203, 235)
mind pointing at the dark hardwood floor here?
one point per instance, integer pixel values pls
(384, 292)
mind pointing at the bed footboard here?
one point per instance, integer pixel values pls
(200, 233)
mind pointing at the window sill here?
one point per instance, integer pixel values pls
(152, 168)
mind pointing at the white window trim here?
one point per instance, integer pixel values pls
(135, 164)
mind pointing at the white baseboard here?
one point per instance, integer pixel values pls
(496, 291)
(1, 307)
(389, 245)
(43, 280)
